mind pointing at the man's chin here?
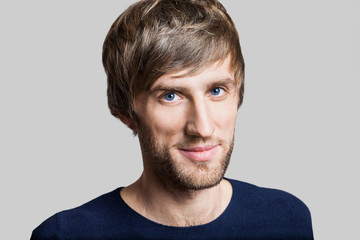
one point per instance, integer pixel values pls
(200, 177)
(197, 185)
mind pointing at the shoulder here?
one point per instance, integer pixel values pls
(73, 220)
(47, 229)
(271, 207)
(256, 195)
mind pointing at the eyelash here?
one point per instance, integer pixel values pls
(222, 91)
(163, 96)
(170, 93)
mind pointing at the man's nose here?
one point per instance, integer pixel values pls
(200, 120)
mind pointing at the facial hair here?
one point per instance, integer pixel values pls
(176, 176)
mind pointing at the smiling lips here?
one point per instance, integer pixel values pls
(200, 154)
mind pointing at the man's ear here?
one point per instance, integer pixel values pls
(131, 123)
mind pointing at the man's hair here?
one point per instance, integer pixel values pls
(155, 37)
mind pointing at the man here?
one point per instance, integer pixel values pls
(176, 78)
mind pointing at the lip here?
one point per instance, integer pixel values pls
(200, 153)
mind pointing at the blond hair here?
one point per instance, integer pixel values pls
(155, 37)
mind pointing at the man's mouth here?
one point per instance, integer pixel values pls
(200, 153)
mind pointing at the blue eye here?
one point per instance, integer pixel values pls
(171, 96)
(216, 91)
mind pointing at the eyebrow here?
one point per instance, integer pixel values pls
(228, 82)
(171, 87)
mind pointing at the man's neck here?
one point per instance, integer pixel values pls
(170, 207)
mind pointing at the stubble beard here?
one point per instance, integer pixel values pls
(173, 175)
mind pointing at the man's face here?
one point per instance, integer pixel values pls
(186, 126)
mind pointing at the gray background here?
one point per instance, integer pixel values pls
(298, 129)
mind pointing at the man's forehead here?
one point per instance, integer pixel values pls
(218, 71)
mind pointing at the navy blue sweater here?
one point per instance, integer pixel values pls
(253, 213)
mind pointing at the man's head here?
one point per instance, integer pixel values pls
(176, 77)
(155, 37)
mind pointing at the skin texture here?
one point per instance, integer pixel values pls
(186, 130)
